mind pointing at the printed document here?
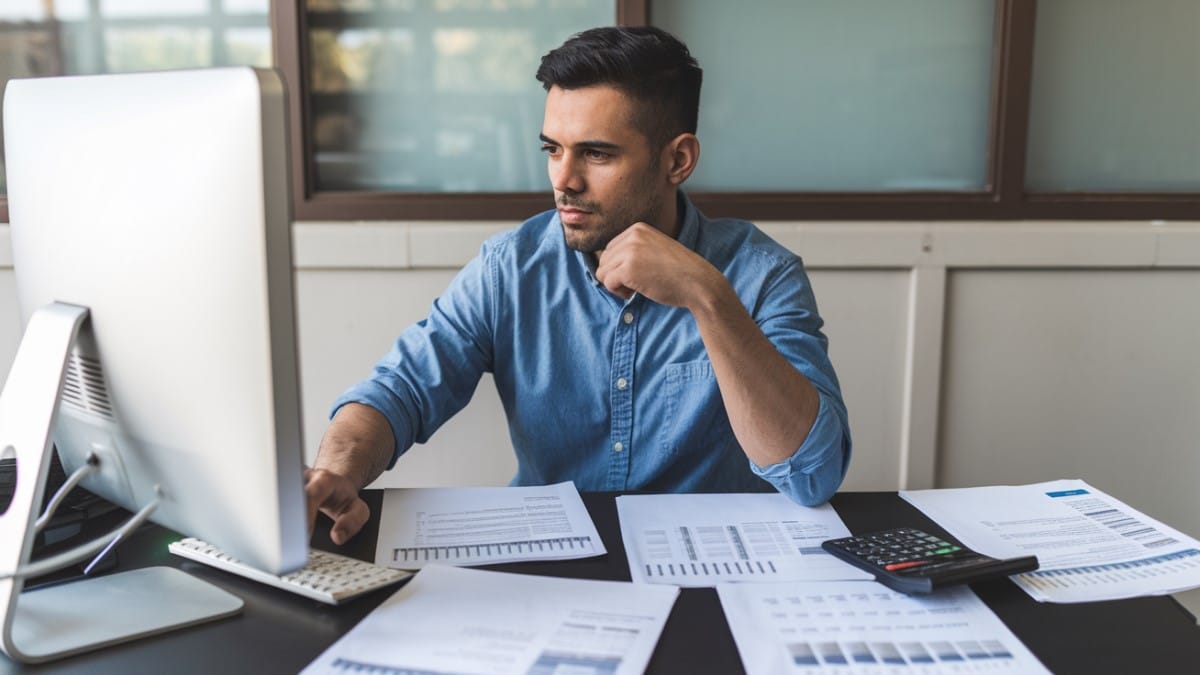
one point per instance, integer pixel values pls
(865, 627)
(705, 539)
(1089, 545)
(483, 525)
(454, 621)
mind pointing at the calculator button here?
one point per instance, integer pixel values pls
(894, 567)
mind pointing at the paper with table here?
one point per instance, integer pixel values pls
(865, 627)
(450, 620)
(705, 539)
(1090, 546)
(484, 525)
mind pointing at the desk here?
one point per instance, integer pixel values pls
(281, 633)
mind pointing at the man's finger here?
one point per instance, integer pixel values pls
(606, 273)
(349, 522)
(621, 290)
(316, 491)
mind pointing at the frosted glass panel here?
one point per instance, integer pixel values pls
(435, 96)
(83, 37)
(1116, 96)
(839, 95)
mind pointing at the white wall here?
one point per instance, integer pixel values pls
(970, 353)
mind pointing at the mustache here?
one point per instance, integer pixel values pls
(566, 203)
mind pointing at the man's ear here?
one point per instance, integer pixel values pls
(680, 156)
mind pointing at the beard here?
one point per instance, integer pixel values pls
(604, 225)
(605, 222)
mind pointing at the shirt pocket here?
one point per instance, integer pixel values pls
(692, 408)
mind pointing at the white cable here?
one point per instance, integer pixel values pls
(84, 550)
(78, 475)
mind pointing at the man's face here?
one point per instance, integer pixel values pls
(604, 172)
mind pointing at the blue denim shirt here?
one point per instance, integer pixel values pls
(609, 393)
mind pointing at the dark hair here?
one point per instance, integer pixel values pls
(648, 64)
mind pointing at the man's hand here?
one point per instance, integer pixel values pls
(354, 450)
(337, 497)
(771, 405)
(644, 260)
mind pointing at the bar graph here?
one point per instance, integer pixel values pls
(707, 539)
(484, 525)
(1076, 584)
(362, 668)
(844, 627)
(959, 655)
(484, 553)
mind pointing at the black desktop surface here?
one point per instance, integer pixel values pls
(281, 633)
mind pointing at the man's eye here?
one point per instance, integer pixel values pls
(550, 149)
(596, 154)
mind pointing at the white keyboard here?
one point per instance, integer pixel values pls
(328, 577)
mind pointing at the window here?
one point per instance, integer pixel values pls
(847, 96)
(424, 108)
(812, 109)
(1115, 99)
(74, 37)
(433, 97)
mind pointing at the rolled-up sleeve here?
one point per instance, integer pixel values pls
(787, 314)
(435, 365)
(815, 471)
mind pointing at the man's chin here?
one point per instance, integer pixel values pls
(583, 246)
(584, 242)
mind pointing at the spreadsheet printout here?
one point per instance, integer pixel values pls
(1090, 546)
(450, 620)
(484, 525)
(811, 627)
(706, 539)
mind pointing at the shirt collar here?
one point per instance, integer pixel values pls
(689, 228)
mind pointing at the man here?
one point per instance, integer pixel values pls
(635, 344)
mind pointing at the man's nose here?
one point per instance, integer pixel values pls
(566, 177)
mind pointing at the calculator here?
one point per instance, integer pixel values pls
(912, 561)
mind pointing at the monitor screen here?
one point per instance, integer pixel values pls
(160, 203)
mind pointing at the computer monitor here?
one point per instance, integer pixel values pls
(150, 222)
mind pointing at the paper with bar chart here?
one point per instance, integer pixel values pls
(449, 620)
(1090, 546)
(863, 627)
(484, 525)
(706, 539)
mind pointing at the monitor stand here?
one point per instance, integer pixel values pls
(57, 621)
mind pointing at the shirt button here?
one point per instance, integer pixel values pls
(628, 317)
(622, 383)
(617, 447)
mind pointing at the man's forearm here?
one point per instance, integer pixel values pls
(771, 405)
(357, 445)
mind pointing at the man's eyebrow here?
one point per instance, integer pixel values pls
(600, 145)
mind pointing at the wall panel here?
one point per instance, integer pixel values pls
(865, 312)
(1091, 374)
(347, 320)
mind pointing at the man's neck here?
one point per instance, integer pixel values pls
(671, 213)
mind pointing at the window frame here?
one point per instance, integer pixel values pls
(1003, 198)
(291, 53)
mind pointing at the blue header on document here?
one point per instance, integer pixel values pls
(1066, 493)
